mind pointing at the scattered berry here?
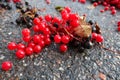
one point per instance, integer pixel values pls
(63, 48)
(7, 65)
(11, 46)
(20, 54)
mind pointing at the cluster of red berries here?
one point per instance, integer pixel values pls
(40, 35)
(118, 24)
(107, 6)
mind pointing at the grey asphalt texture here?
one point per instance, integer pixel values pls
(50, 64)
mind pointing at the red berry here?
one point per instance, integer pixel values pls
(15, 1)
(36, 39)
(64, 11)
(41, 43)
(65, 16)
(47, 41)
(11, 46)
(95, 4)
(20, 54)
(31, 44)
(40, 18)
(99, 38)
(41, 36)
(36, 28)
(48, 1)
(48, 18)
(56, 20)
(118, 23)
(25, 32)
(113, 12)
(29, 51)
(57, 38)
(26, 38)
(7, 65)
(101, 11)
(112, 8)
(41, 26)
(36, 21)
(20, 46)
(65, 39)
(82, 1)
(94, 35)
(37, 49)
(46, 31)
(63, 48)
(73, 16)
(68, 9)
(106, 8)
(105, 4)
(118, 28)
(74, 23)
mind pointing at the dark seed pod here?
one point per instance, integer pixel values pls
(90, 22)
(81, 49)
(88, 45)
(26, 3)
(55, 25)
(93, 28)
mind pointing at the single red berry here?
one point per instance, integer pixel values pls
(112, 8)
(63, 48)
(113, 12)
(29, 51)
(95, 4)
(56, 20)
(36, 39)
(20, 54)
(36, 28)
(36, 21)
(41, 36)
(15, 1)
(57, 38)
(41, 26)
(64, 11)
(68, 9)
(26, 38)
(7, 65)
(48, 1)
(11, 46)
(73, 16)
(105, 4)
(65, 16)
(82, 1)
(46, 31)
(20, 46)
(106, 8)
(102, 11)
(118, 28)
(65, 39)
(47, 41)
(74, 23)
(118, 23)
(25, 32)
(31, 44)
(37, 49)
(94, 35)
(41, 43)
(48, 17)
(99, 38)
(40, 18)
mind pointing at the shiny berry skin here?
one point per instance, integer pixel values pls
(65, 39)
(41, 26)
(56, 20)
(31, 44)
(95, 4)
(102, 11)
(20, 46)
(15, 1)
(118, 28)
(41, 43)
(64, 11)
(26, 38)
(37, 49)
(46, 31)
(48, 17)
(74, 23)
(63, 48)
(57, 38)
(7, 65)
(94, 35)
(68, 9)
(73, 16)
(29, 51)
(36, 28)
(41, 36)
(25, 32)
(36, 39)
(65, 16)
(20, 54)
(36, 21)
(106, 8)
(118, 23)
(47, 41)
(99, 38)
(40, 18)
(113, 12)
(82, 1)
(112, 8)
(11, 46)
